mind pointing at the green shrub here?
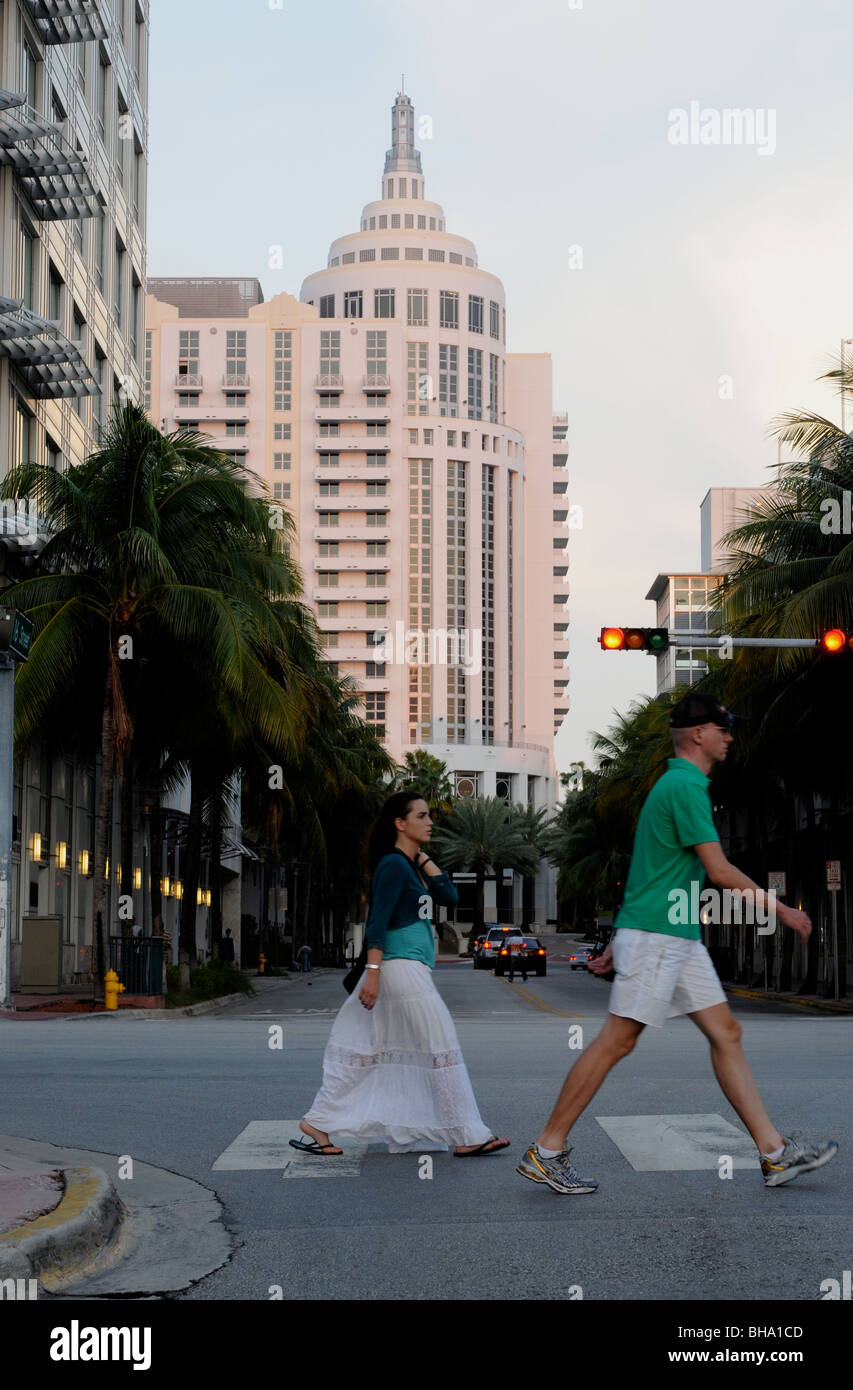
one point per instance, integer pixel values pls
(210, 981)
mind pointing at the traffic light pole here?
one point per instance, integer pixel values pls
(7, 720)
(703, 639)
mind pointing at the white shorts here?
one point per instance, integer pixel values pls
(660, 977)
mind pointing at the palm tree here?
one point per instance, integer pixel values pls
(429, 775)
(480, 834)
(157, 560)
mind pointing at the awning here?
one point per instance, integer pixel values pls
(48, 361)
(68, 21)
(54, 177)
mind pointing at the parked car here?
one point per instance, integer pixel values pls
(580, 956)
(487, 952)
(524, 953)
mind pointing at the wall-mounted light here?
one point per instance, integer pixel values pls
(166, 886)
(84, 863)
(137, 878)
(35, 847)
(208, 897)
(107, 869)
(199, 897)
(177, 889)
(61, 854)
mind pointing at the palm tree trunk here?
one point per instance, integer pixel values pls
(126, 838)
(480, 900)
(190, 873)
(103, 829)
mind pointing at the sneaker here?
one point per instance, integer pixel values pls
(557, 1172)
(797, 1158)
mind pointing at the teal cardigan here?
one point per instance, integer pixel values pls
(397, 893)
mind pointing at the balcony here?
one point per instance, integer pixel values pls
(353, 504)
(334, 473)
(54, 176)
(235, 381)
(333, 444)
(50, 363)
(224, 415)
(350, 593)
(357, 564)
(231, 444)
(354, 625)
(328, 381)
(350, 532)
(376, 382)
(188, 381)
(375, 414)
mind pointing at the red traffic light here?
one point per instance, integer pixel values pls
(633, 639)
(834, 640)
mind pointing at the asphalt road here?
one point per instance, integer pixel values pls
(188, 1094)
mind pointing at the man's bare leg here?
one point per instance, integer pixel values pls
(732, 1071)
(615, 1041)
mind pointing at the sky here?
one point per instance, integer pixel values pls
(687, 292)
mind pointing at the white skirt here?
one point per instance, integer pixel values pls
(394, 1073)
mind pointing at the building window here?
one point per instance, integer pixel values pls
(330, 639)
(375, 609)
(368, 255)
(375, 488)
(494, 319)
(383, 222)
(427, 436)
(466, 440)
(327, 306)
(374, 711)
(283, 381)
(330, 459)
(409, 224)
(375, 519)
(374, 670)
(329, 579)
(376, 427)
(418, 302)
(330, 518)
(377, 350)
(330, 352)
(375, 579)
(330, 428)
(281, 431)
(418, 387)
(413, 436)
(475, 384)
(383, 304)
(281, 460)
(118, 283)
(352, 304)
(448, 309)
(348, 258)
(448, 379)
(235, 427)
(451, 439)
(328, 548)
(235, 352)
(389, 253)
(330, 489)
(375, 460)
(327, 610)
(475, 313)
(493, 389)
(281, 492)
(375, 548)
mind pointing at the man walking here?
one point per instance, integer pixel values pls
(662, 968)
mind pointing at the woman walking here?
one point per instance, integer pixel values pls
(392, 1070)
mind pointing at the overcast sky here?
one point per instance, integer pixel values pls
(552, 130)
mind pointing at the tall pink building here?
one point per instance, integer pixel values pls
(422, 463)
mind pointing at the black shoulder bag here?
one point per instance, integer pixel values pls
(353, 976)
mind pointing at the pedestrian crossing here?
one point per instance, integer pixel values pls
(649, 1143)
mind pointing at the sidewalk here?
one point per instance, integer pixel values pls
(66, 1228)
(798, 1001)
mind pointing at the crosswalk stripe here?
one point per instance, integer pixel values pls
(678, 1143)
(265, 1144)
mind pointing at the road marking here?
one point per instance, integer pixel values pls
(265, 1144)
(534, 1001)
(676, 1143)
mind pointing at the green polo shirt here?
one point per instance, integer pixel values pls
(666, 875)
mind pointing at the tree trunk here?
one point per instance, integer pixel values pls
(126, 840)
(103, 829)
(480, 900)
(187, 954)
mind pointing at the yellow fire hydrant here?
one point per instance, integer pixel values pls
(262, 960)
(112, 989)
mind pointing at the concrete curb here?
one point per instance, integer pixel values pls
(59, 1245)
(831, 1006)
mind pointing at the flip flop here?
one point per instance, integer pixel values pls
(489, 1146)
(312, 1147)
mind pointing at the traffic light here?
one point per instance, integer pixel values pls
(634, 639)
(835, 640)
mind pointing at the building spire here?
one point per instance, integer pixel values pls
(402, 158)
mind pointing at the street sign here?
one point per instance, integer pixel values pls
(776, 883)
(833, 875)
(16, 632)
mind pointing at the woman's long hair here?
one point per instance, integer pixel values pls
(383, 835)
